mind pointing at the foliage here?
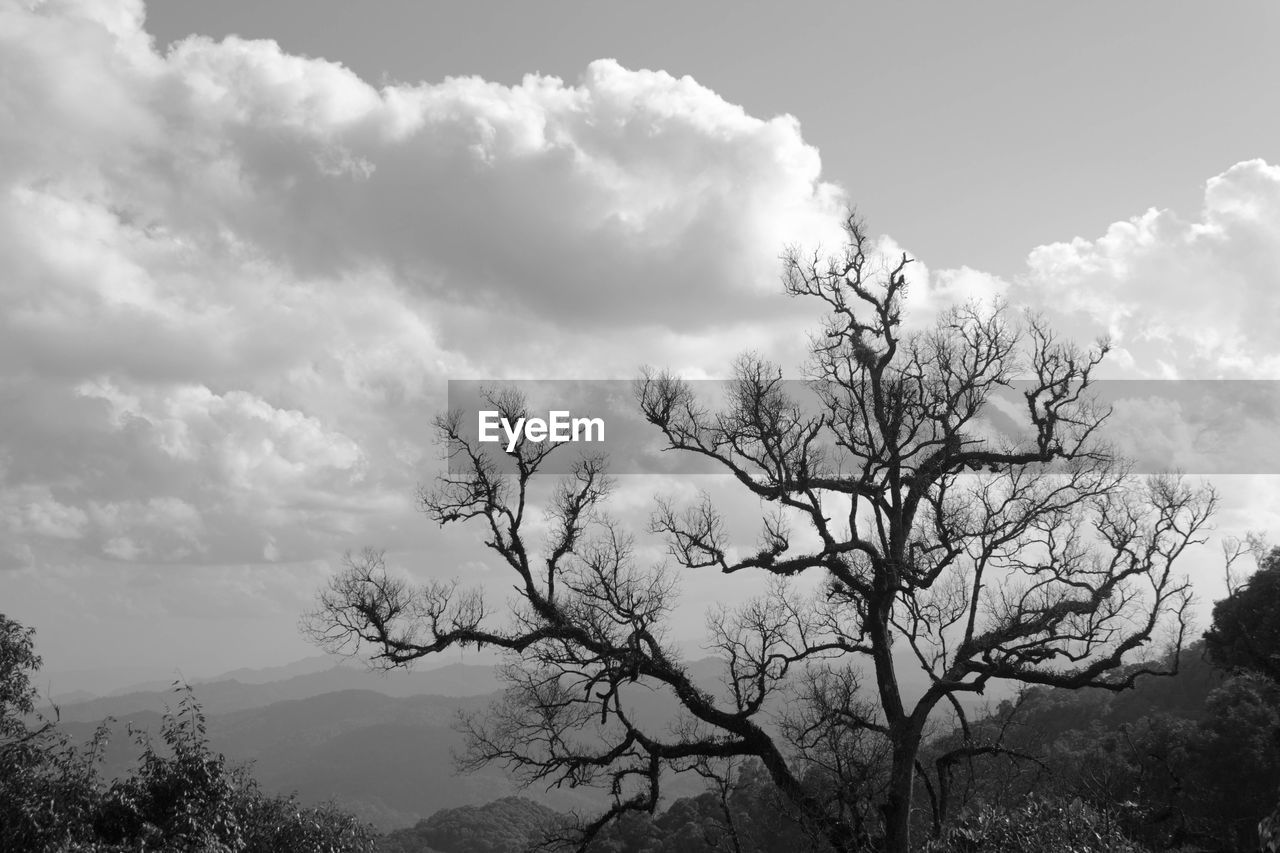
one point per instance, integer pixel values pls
(48, 787)
(1269, 832)
(50, 792)
(18, 662)
(1246, 624)
(182, 796)
(1037, 825)
(1189, 761)
(507, 825)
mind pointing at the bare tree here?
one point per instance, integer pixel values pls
(941, 547)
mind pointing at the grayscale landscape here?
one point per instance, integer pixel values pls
(727, 427)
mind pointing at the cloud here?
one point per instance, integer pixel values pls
(603, 202)
(236, 279)
(1186, 298)
(1181, 298)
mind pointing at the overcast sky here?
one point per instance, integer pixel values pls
(244, 246)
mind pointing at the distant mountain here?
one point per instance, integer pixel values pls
(303, 679)
(266, 675)
(77, 685)
(73, 698)
(244, 675)
(220, 697)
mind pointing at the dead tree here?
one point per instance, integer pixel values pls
(1034, 558)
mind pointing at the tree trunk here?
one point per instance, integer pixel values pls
(897, 807)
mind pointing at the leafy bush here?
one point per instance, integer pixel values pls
(1037, 825)
(1246, 624)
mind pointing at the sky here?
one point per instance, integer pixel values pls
(246, 245)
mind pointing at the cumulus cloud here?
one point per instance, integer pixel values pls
(237, 279)
(600, 202)
(1180, 298)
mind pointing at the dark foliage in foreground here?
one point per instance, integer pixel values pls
(1188, 763)
(182, 796)
(1246, 624)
